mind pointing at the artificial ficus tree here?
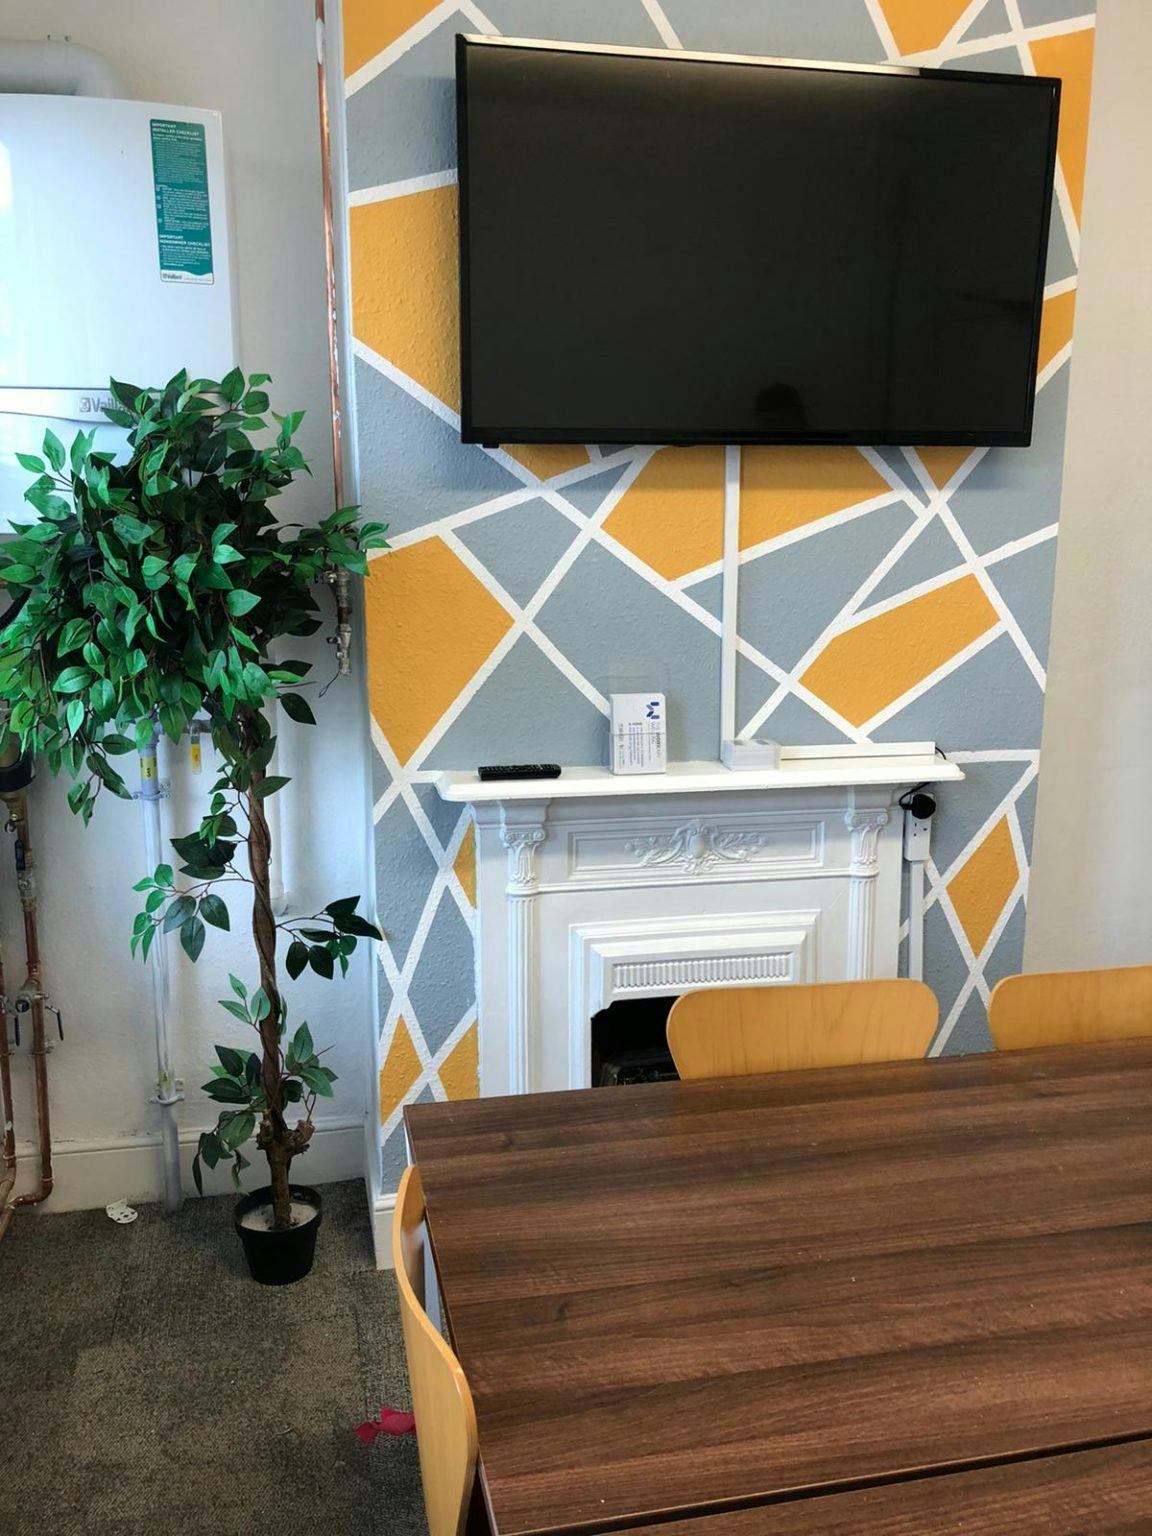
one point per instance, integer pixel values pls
(148, 595)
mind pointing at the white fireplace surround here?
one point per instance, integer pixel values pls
(594, 887)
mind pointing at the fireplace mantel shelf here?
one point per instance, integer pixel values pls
(800, 768)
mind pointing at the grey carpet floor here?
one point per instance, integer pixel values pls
(148, 1387)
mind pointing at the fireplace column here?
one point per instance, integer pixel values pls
(521, 832)
(864, 866)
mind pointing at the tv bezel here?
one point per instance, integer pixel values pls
(493, 437)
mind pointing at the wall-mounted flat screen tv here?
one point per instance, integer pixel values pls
(664, 247)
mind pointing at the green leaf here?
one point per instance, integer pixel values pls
(296, 959)
(239, 602)
(238, 987)
(72, 636)
(232, 385)
(225, 1090)
(260, 1005)
(53, 450)
(297, 708)
(31, 463)
(192, 938)
(231, 1060)
(319, 1079)
(237, 1010)
(127, 394)
(74, 715)
(301, 1049)
(179, 912)
(348, 921)
(130, 529)
(213, 911)
(72, 680)
(163, 874)
(269, 786)
(236, 1129)
(321, 961)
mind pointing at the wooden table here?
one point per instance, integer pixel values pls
(1084, 1493)
(693, 1296)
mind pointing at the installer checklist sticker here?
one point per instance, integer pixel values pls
(183, 218)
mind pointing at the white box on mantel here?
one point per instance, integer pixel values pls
(639, 733)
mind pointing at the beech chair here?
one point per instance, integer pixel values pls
(1071, 1007)
(737, 1031)
(441, 1400)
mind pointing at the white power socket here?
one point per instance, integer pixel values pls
(917, 837)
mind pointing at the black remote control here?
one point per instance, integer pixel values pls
(519, 771)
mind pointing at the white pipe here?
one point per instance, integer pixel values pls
(274, 816)
(916, 920)
(56, 69)
(729, 596)
(151, 795)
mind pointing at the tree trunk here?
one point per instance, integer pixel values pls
(275, 1140)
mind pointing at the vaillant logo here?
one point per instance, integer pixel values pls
(95, 405)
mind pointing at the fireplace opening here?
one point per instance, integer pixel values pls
(629, 1043)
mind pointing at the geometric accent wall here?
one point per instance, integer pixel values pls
(884, 594)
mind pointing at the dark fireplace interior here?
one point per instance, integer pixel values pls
(628, 1043)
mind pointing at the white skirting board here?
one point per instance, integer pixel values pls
(382, 1209)
(92, 1174)
(381, 1203)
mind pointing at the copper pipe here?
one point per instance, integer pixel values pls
(8, 1178)
(339, 578)
(17, 804)
(8, 759)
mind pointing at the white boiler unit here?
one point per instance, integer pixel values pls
(114, 262)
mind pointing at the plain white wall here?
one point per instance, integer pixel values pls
(1091, 901)
(256, 63)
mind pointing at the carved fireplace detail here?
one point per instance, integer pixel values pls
(593, 888)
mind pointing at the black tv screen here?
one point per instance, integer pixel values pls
(660, 247)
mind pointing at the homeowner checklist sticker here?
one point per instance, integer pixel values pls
(183, 218)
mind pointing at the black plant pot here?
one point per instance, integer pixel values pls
(279, 1258)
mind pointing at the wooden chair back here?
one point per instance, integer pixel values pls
(736, 1031)
(1071, 1007)
(441, 1400)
